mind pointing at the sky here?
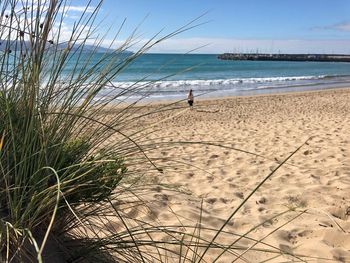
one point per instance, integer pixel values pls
(271, 26)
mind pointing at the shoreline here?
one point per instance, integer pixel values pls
(232, 97)
(282, 94)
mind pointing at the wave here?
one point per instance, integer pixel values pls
(174, 85)
(177, 89)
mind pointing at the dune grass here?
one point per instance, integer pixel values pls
(66, 168)
(54, 172)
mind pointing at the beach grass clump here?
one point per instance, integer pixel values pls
(54, 172)
(68, 171)
(66, 168)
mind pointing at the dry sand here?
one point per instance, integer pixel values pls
(316, 179)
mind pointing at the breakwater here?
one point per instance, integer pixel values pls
(285, 57)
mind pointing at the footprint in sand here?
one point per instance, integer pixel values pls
(157, 189)
(190, 175)
(230, 179)
(231, 185)
(113, 226)
(153, 213)
(224, 200)
(261, 208)
(132, 212)
(211, 200)
(262, 200)
(210, 179)
(223, 172)
(291, 236)
(267, 221)
(335, 238)
(341, 212)
(286, 249)
(239, 195)
(307, 152)
(214, 156)
(210, 162)
(162, 197)
(340, 255)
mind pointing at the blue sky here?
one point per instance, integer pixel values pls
(321, 26)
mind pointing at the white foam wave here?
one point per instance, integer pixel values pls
(173, 85)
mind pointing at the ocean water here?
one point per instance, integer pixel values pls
(171, 76)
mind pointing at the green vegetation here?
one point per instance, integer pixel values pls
(54, 175)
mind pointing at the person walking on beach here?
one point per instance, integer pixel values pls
(190, 98)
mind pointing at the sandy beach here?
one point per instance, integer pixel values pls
(232, 144)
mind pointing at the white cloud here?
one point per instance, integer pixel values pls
(24, 22)
(73, 17)
(21, 6)
(343, 26)
(221, 45)
(80, 9)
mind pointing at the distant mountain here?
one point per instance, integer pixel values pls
(87, 48)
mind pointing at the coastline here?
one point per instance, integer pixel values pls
(220, 94)
(281, 94)
(165, 102)
(208, 76)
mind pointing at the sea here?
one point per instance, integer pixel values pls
(170, 76)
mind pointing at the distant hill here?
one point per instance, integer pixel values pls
(87, 48)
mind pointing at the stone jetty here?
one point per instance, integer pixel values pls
(285, 57)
